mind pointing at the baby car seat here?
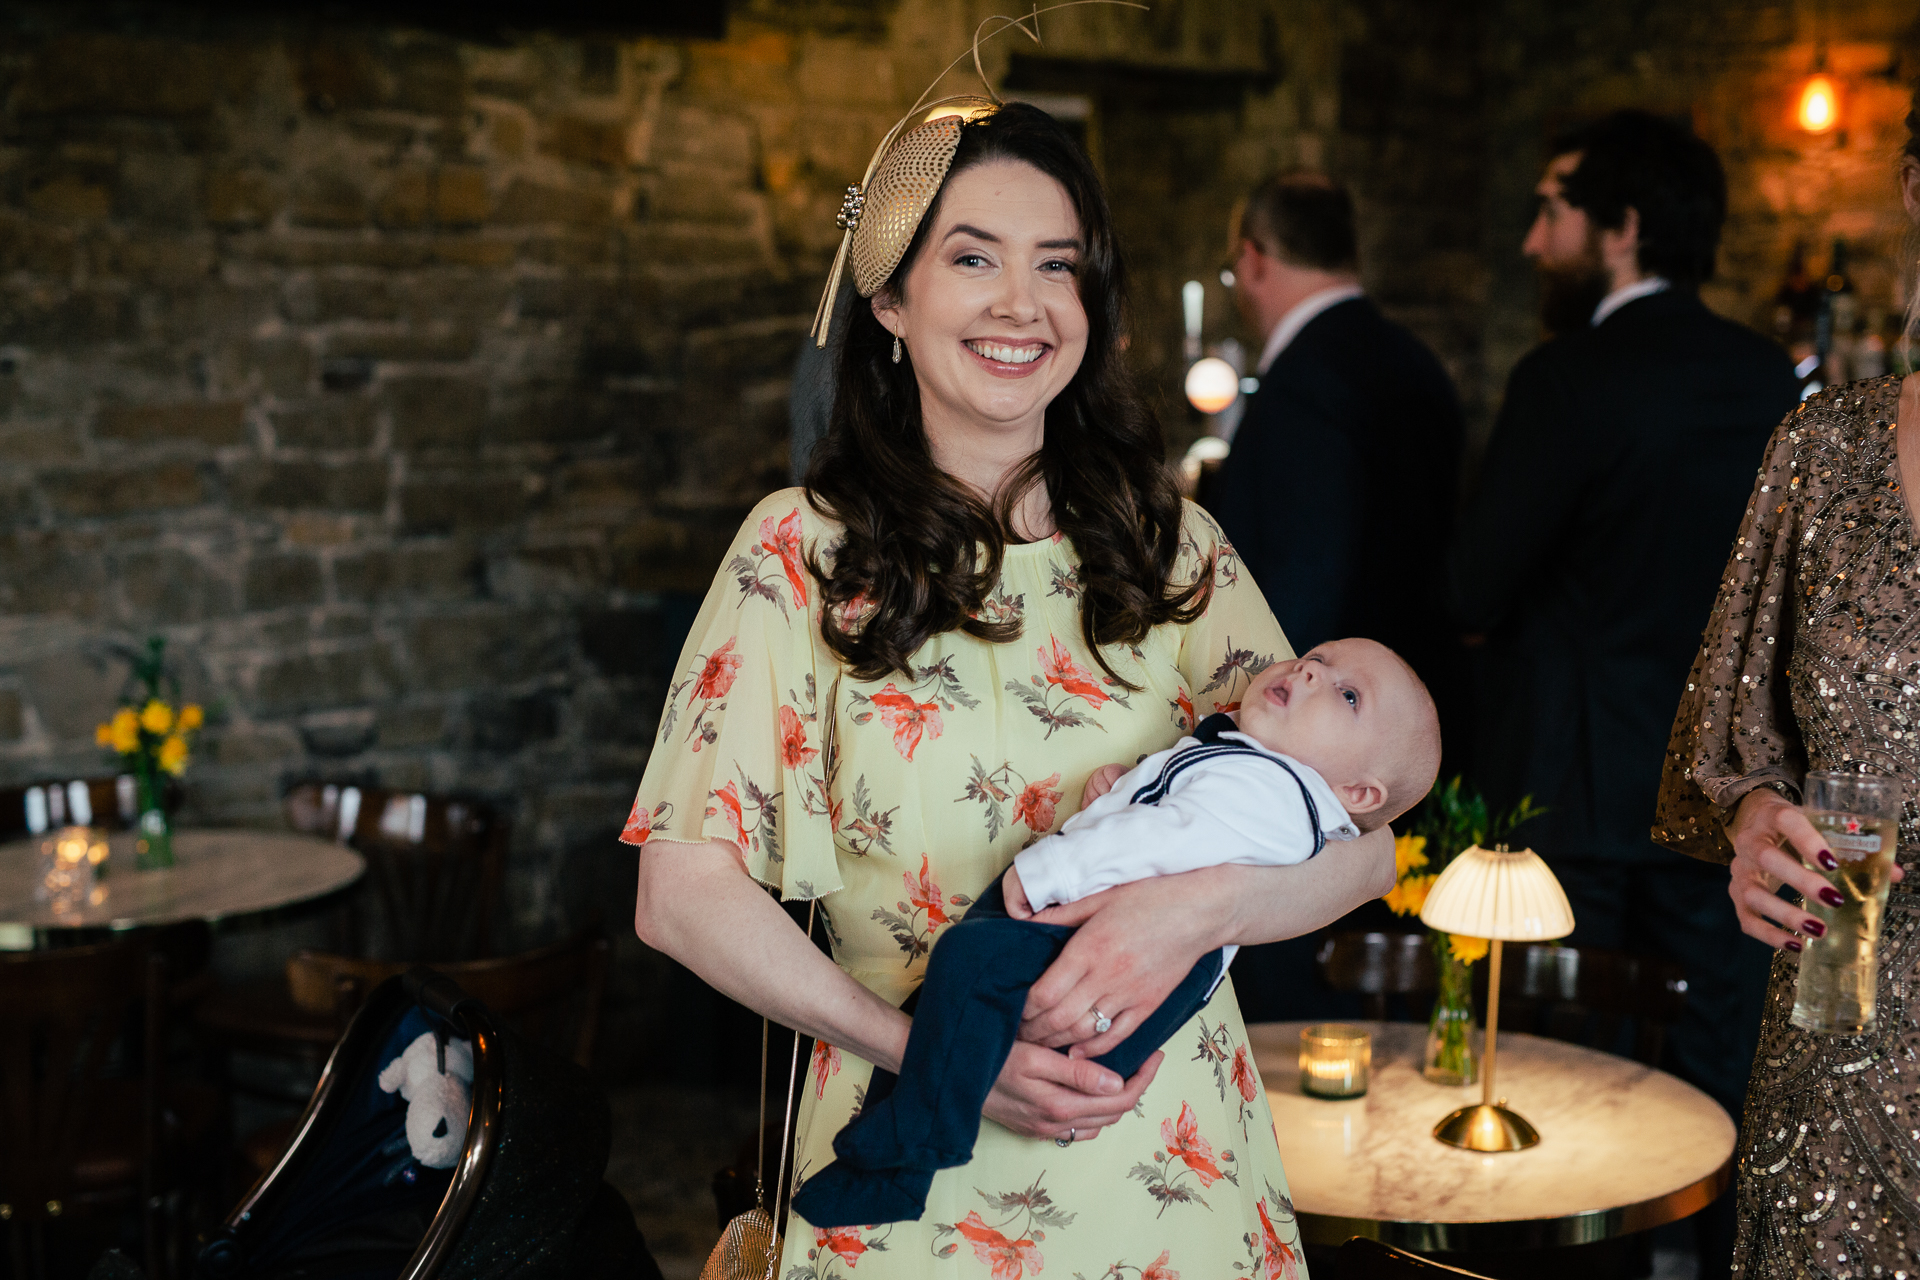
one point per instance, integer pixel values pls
(525, 1197)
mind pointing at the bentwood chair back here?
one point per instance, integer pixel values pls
(1607, 1000)
(88, 1121)
(1377, 965)
(434, 863)
(1364, 1259)
(86, 802)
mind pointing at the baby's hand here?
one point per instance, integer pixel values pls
(1101, 782)
(1015, 894)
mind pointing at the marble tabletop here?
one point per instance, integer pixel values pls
(216, 874)
(1623, 1147)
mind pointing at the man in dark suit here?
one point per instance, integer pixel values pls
(1590, 554)
(1339, 488)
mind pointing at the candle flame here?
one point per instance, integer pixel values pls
(1819, 106)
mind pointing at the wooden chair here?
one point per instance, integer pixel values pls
(434, 863)
(35, 807)
(1377, 965)
(90, 1123)
(551, 995)
(1590, 997)
(1363, 1259)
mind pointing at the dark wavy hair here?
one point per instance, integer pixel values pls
(922, 549)
(1638, 160)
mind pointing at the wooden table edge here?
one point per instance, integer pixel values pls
(1586, 1227)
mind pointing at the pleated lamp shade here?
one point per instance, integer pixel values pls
(1486, 893)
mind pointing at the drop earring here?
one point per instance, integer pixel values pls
(896, 348)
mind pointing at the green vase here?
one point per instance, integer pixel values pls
(153, 833)
(1450, 1058)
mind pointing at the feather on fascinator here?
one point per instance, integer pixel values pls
(882, 213)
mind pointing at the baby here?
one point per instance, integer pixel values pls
(1323, 747)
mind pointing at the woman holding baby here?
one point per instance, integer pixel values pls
(988, 591)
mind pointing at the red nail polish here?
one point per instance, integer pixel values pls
(1831, 897)
(1791, 944)
(1813, 928)
(1826, 859)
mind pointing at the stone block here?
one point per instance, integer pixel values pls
(329, 199)
(335, 75)
(472, 650)
(408, 571)
(51, 573)
(508, 724)
(336, 734)
(70, 199)
(333, 422)
(334, 296)
(412, 726)
(436, 411)
(444, 342)
(208, 422)
(474, 251)
(345, 373)
(327, 486)
(407, 201)
(42, 315)
(428, 78)
(249, 744)
(125, 490)
(123, 75)
(528, 203)
(238, 199)
(460, 197)
(70, 692)
(629, 642)
(598, 142)
(448, 504)
(280, 366)
(347, 676)
(166, 586)
(280, 580)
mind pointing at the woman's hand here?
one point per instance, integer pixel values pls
(1136, 942)
(1044, 1094)
(1774, 844)
(1101, 782)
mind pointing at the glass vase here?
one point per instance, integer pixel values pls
(1450, 1058)
(153, 833)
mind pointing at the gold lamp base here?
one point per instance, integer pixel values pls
(1487, 1127)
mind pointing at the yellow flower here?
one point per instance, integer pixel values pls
(191, 717)
(173, 754)
(1466, 950)
(103, 734)
(1407, 897)
(1408, 854)
(125, 731)
(157, 717)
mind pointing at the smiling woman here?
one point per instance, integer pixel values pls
(988, 593)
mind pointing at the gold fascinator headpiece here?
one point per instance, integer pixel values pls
(880, 215)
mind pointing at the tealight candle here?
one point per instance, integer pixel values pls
(1335, 1060)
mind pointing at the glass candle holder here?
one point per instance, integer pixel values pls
(1336, 1060)
(72, 862)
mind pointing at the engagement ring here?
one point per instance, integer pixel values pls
(1101, 1023)
(1066, 1141)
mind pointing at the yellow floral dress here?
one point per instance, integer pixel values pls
(895, 802)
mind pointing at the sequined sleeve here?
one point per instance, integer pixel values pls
(1734, 730)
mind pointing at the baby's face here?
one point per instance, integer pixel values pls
(1333, 708)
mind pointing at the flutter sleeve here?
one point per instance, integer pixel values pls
(1734, 730)
(1237, 637)
(744, 748)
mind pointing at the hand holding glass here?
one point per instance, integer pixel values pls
(1859, 819)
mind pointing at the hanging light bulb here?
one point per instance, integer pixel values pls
(1819, 108)
(1212, 385)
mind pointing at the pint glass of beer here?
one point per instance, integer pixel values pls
(1859, 818)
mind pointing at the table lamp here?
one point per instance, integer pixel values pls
(1502, 896)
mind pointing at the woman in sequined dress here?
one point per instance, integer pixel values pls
(1811, 660)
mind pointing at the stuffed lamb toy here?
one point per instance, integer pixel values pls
(438, 1101)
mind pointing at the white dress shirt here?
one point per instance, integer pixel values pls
(1226, 808)
(1643, 288)
(1298, 318)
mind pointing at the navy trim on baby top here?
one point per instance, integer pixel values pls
(1211, 747)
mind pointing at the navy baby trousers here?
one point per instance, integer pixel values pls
(966, 1016)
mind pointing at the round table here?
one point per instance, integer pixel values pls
(1623, 1148)
(217, 874)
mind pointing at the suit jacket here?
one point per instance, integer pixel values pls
(1591, 552)
(1339, 490)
